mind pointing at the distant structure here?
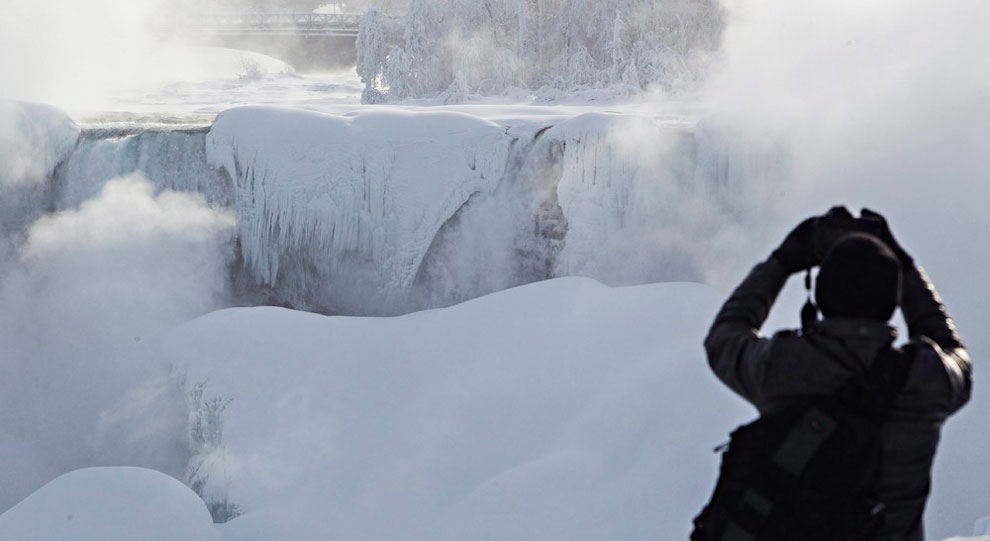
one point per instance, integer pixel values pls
(272, 24)
(309, 41)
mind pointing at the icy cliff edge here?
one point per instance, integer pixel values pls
(34, 139)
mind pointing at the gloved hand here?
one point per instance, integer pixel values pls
(797, 252)
(884, 234)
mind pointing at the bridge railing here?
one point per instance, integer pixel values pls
(270, 24)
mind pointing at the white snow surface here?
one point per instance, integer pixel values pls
(560, 410)
(357, 198)
(100, 504)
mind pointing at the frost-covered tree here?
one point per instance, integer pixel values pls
(371, 55)
(461, 47)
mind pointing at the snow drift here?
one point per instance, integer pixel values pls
(559, 410)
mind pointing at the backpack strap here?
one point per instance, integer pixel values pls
(885, 379)
(873, 391)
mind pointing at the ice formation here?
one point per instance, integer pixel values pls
(337, 211)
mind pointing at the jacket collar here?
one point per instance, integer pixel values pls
(860, 329)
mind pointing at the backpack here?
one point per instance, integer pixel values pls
(808, 471)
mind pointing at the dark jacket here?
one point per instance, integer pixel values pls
(768, 372)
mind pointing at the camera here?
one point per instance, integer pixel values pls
(838, 222)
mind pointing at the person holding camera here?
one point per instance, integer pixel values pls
(849, 424)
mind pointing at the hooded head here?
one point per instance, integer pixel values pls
(860, 277)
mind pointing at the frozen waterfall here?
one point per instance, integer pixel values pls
(390, 211)
(170, 159)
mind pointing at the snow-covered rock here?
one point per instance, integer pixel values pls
(99, 504)
(338, 211)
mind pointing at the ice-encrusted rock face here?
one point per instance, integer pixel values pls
(337, 212)
(34, 139)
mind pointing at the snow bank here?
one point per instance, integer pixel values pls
(336, 211)
(97, 504)
(558, 410)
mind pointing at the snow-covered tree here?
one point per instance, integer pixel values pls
(463, 47)
(371, 49)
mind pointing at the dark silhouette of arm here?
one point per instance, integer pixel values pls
(736, 352)
(928, 321)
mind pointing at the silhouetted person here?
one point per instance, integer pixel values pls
(863, 278)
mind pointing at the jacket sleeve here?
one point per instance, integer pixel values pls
(928, 321)
(736, 352)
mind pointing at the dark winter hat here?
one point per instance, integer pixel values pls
(860, 277)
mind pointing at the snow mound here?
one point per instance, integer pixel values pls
(110, 503)
(335, 210)
(558, 410)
